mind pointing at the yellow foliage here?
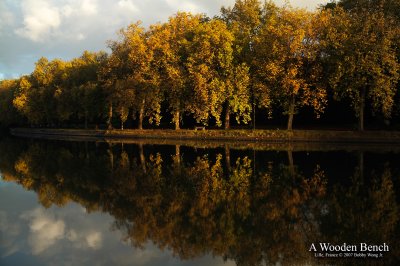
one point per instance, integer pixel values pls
(21, 166)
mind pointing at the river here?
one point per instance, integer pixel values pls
(115, 203)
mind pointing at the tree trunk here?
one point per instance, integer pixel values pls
(291, 114)
(86, 150)
(254, 115)
(254, 161)
(86, 119)
(111, 156)
(291, 163)
(142, 158)
(178, 154)
(361, 110)
(227, 160)
(176, 120)
(141, 114)
(361, 166)
(227, 116)
(110, 113)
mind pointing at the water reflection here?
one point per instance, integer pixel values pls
(252, 207)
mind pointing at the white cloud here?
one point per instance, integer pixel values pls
(89, 7)
(80, 37)
(128, 5)
(40, 19)
(94, 240)
(67, 11)
(45, 230)
(184, 6)
(44, 21)
(63, 29)
(72, 235)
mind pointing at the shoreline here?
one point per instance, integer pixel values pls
(264, 136)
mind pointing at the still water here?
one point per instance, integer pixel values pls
(110, 203)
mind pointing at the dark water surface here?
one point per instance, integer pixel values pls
(98, 203)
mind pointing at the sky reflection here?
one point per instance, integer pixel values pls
(33, 235)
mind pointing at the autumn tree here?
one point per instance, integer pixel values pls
(389, 7)
(170, 42)
(208, 64)
(21, 94)
(9, 113)
(244, 20)
(114, 76)
(238, 96)
(49, 80)
(214, 81)
(130, 77)
(85, 97)
(288, 72)
(38, 94)
(360, 54)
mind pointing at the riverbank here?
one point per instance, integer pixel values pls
(269, 136)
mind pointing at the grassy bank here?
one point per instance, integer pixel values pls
(270, 136)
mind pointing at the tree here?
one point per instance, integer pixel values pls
(131, 77)
(144, 76)
(213, 78)
(360, 55)
(9, 113)
(28, 99)
(114, 75)
(20, 100)
(170, 42)
(389, 7)
(244, 20)
(288, 71)
(208, 64)
(83, 95)
(237, 94)
(37, 95)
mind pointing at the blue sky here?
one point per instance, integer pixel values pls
(63, 29)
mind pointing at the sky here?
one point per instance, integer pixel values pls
(30, 29)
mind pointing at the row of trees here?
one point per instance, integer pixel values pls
(251, 56)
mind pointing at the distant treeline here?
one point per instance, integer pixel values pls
(253, 57)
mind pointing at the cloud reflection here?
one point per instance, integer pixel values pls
(33, 235)
(8, 232)
(45, 229)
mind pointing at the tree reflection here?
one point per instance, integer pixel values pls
(215, 203)
(366, 212)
